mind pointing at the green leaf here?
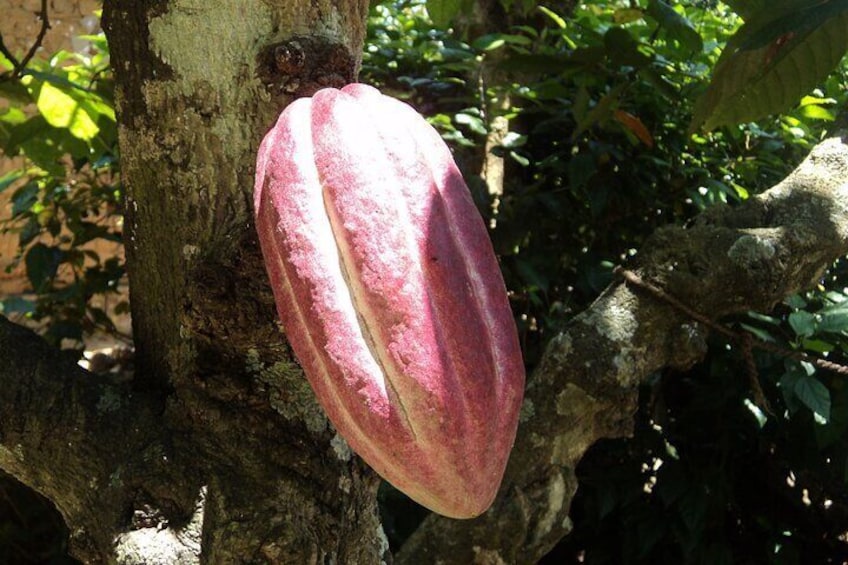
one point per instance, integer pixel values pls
(32, 128)
(9, 178)
(814, 395)
(44, 144)
(520, 159)
(770, 63)
(36, 139)
(803, 323)
(6, 63)
(556, 18)
(12, 116)
(29, 232)
(16, 305)
(14, 91)
(759, 333)
(513, 139)
(787, 386)
(834, 319)
(817, 345)
(42, 262)
(62, 110)
(24, 198)
(815, 112)
(473, 122)
(796, 301)
(679, 28)
(489, 42)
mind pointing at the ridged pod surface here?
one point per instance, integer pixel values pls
(390, 294)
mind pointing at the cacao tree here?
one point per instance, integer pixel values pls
(217, 451)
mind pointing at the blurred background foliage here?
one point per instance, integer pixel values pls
(60, 120)
(578, 127)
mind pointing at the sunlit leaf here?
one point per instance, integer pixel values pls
(816, 112)
(64, 111)
(554, 17)
(12, 116)
(473, 122)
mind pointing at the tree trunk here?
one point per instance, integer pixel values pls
(198, 85)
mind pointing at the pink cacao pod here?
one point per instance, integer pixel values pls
(390, 294)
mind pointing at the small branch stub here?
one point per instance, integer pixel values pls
(302, 65)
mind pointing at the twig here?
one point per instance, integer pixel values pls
(18, 67)
(753, 375)
(745, 340)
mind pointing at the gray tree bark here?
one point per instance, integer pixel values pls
(217, 452)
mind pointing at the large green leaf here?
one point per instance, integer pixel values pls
(772, 62)
(62, 110)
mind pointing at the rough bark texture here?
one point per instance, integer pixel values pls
(218, 452)
(76, 438)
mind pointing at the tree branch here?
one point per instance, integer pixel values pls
(18, 67)
(86, 442)
(729, 260)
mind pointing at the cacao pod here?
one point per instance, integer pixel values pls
(390, 294)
